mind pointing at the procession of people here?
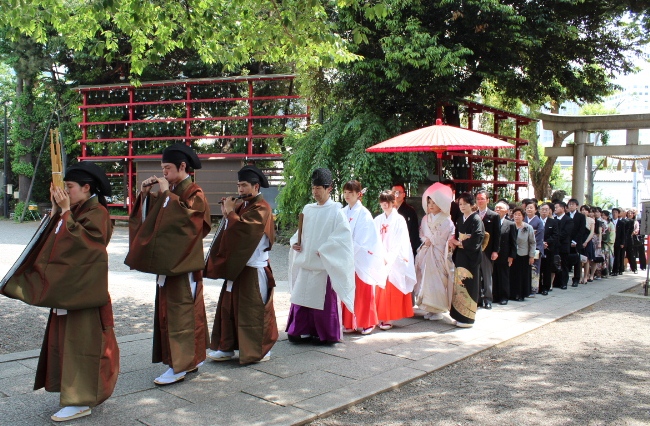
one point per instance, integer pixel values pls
(348, 272)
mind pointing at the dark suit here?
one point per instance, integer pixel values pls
(411, 218)
(579, 234)
(551, 238)
(454, 212)
(491, 223)
(565, 229)
(630, 249)
(507, 249)
(619, 252)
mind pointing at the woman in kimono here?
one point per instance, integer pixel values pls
(520, 271)
(68, 271)
(466, 243)
(394, 302)
(608, 238)
(538, 226)
(433, 267)
(369, 268)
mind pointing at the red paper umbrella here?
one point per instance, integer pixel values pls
(439, 138)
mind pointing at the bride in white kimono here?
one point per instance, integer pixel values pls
(433, 266)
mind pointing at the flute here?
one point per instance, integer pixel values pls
(150, 184)
(239, 197)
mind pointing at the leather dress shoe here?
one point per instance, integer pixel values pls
(487, 304)
(563, 287)
(574, 284)
(544, 293)
(504, 302)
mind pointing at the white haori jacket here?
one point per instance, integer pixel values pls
(327, 250)
(399, 254)
(369, 252)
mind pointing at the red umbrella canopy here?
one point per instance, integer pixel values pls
(439, 138)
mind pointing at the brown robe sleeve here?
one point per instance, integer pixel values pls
(69, 270)
(236, 244)
(170, 240)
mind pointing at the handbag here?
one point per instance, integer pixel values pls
(598, 257)
(486, 241)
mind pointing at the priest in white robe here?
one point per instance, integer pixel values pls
(321, 268)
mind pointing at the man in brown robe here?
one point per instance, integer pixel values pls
(166, 230)
(245, 318)
(67, 270)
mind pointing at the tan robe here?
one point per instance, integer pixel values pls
(167, 241)
(79, 356)
(243, 321)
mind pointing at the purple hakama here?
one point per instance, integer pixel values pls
(323, 323)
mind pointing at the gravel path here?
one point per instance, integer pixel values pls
(132, 292)
(590, 368)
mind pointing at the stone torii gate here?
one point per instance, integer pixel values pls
(581, 125)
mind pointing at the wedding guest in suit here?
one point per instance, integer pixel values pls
(631, 230)
(409, 215)
(565, 229)
(454, 211)
(578, 237)
(619, 241)
(533, 220)
(639, 243)
(551, 248)
(507, 254)
(491, 252)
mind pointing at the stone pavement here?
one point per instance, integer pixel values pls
(301, 382)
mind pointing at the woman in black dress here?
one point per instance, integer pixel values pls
(467, 259)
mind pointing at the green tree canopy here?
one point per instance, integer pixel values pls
(427, 52)
(231, 33)
(424, 54)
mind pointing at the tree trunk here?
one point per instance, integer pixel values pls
(541, 177)
(24, 89)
